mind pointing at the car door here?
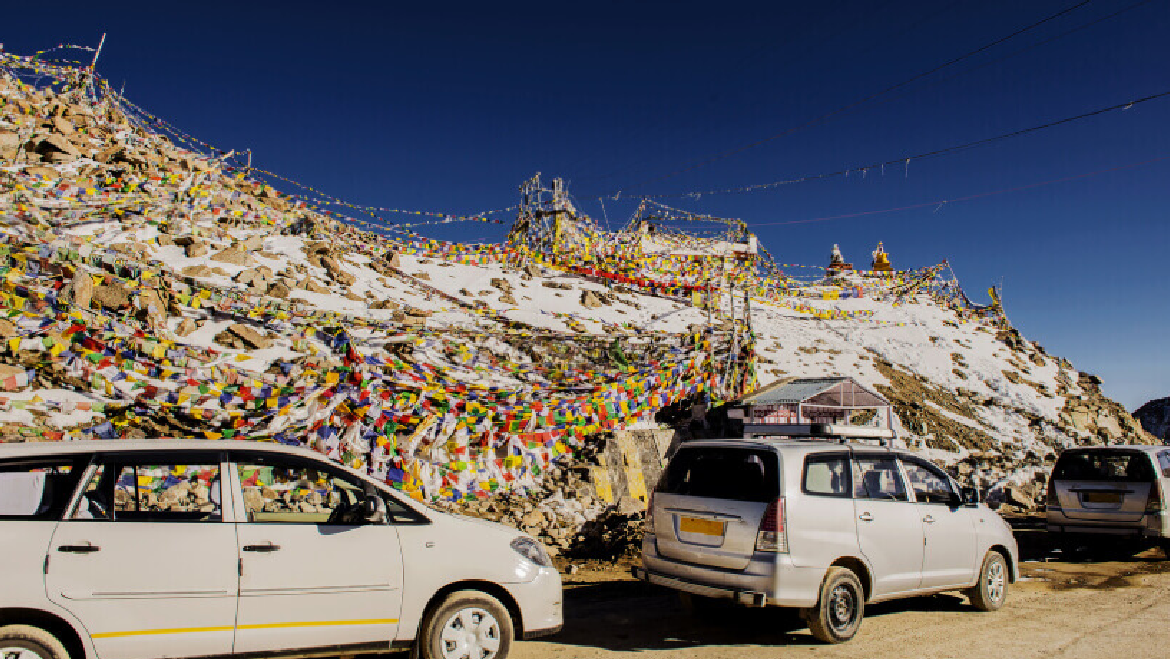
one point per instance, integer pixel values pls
(949, 553)
(889, 529)
(311, 573)
(145, 559)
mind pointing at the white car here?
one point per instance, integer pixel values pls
(187, 548)
(823, 526)
(1114, 495)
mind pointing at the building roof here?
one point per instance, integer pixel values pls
(832, 392)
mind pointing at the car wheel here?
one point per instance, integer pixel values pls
(469, 624)
(25, 642)
(837, 615)
(991, 591)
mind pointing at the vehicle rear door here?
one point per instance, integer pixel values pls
(1104, 484)
(889, 528)
(145, 560)
(312, 572)
(709, 503)
(950, 543)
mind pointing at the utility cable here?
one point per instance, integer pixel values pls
(905, 160)
(861, 101)
(938, 203)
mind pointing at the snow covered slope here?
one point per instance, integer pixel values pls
(156, 289)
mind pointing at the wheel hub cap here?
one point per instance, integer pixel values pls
(842, 607)
(995, 581)
(470, 633)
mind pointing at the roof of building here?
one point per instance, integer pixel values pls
(834, 391)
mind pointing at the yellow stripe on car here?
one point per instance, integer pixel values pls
(271, 625)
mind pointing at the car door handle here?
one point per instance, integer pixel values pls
(865, 517)
(929, 519)
(263, 548)
(79, 549)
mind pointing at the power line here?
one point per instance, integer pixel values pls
(939, 202)
(905, 160)
(866, 99)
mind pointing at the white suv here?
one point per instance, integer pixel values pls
(822, 526)
(1115, 494)
(145, 549)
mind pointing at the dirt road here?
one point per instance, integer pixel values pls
(1103, 610)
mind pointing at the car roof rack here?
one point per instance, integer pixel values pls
(824, 432)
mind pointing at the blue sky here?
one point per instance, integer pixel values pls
(449, 106)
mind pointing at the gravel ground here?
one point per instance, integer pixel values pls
(1076, 610)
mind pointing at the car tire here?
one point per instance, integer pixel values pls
(990, 593)
(26, 642)
(468, 620)
(837, 616)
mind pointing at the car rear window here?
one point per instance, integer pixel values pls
(39, 489)
(1103, 465)
(723, 473)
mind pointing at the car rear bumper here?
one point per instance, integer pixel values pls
(1148, 526)
(769, 580)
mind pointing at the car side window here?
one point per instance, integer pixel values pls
(39, 489)
(278, 489)
(827, 475)
(152, 490)
(1164, 463)
(930, 484)
(877, 477)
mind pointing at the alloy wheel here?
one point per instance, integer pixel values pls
(996, 581)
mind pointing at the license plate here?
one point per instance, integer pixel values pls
(1101, 497)
(700, 526)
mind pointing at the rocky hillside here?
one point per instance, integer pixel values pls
(1155, 418)
(152, 286)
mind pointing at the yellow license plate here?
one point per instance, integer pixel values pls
(1102, 497)
(700, 526)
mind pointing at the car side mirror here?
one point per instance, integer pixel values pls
(374, 509)
(969, 496)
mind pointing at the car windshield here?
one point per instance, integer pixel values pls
(1104, 465)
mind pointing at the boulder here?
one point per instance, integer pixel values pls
(57, 144)
(196, 271)
(233, 256)
(589, 300)
(112, 296)
(80, 289)
(151, 307)
(384, 304)
(279, 290)
(187, 327)
(195, 249)
(243, 337)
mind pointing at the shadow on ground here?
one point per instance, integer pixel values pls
(630, 616)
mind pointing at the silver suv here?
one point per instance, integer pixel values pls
(822, 526)
(1110, 493)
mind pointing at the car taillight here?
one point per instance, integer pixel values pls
(771, 536)
(1154, 504)
(1053, 502)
